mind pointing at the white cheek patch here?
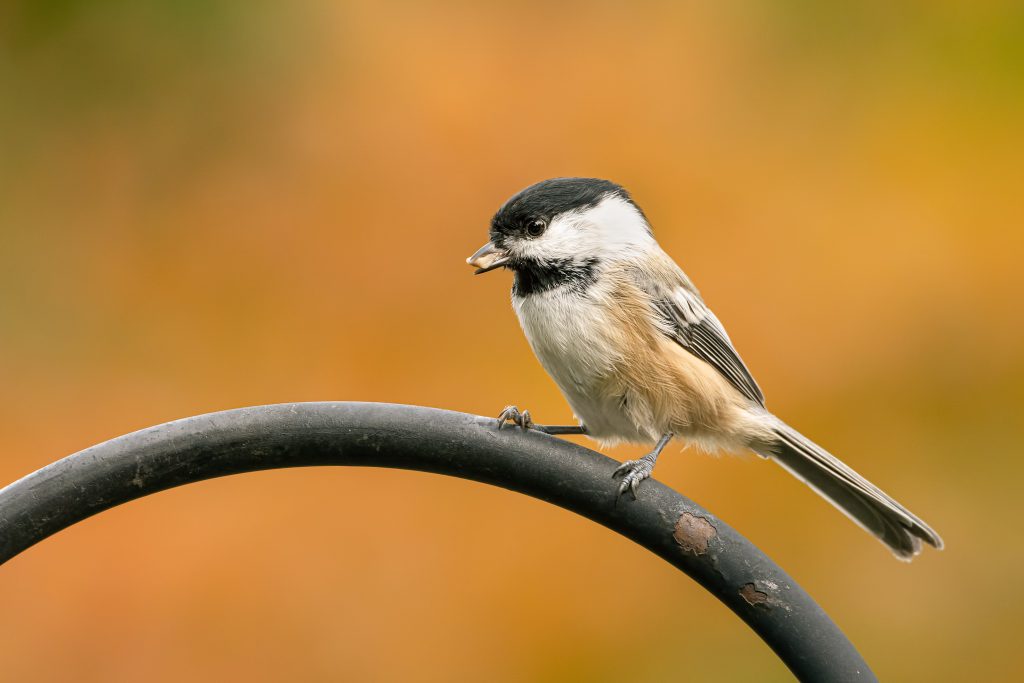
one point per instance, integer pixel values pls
(613, 227)
(562, 240)
(618, 222)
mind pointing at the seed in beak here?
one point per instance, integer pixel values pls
(488, 258)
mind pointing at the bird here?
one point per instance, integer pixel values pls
(640, 357)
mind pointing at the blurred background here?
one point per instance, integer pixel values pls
(207, 205)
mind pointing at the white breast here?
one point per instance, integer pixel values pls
(574, 339)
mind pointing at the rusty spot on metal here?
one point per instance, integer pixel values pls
(693, 533)
(753, 596)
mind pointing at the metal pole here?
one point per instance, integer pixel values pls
(429, 440)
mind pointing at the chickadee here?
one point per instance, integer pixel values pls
(640, 357)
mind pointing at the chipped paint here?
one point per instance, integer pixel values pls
(753, 596)
(693, 533)
(765, 592)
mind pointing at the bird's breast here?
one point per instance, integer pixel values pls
(577, 340)
(572, 336)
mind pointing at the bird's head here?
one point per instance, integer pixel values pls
(564, 222)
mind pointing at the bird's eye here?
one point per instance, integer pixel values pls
(536, 228)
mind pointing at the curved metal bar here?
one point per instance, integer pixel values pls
(444, 442)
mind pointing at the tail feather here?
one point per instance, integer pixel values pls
(859, 499)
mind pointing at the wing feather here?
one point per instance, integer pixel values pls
(689, 322)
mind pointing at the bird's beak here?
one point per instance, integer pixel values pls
(487, 257)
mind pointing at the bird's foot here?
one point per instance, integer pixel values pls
(633, 472)
(515, 416)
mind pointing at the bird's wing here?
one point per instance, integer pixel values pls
(688, 321)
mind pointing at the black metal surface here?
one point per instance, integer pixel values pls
(456, 444)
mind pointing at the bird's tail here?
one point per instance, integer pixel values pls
(855, 496)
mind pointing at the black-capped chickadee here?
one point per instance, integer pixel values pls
(640, 357)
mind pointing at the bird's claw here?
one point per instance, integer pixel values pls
(517, 417)
(633, 472)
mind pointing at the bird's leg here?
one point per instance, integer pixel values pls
(524, 421)
(635, 471)
(560, 430)
(515, 416)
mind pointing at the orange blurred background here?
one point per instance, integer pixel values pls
(207, 205)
